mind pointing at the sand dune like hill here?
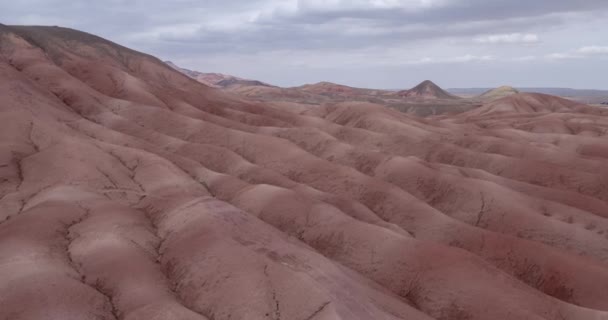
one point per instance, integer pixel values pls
(132, 191)
(497, 93)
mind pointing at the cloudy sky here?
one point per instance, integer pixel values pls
(368, 43)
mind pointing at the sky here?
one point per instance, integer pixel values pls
(389, 44)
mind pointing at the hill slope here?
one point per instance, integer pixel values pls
(217, 80)
(131, 191)
(426, 90)
(497, 93)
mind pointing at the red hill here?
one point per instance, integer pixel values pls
(426, 90)
(128, 190)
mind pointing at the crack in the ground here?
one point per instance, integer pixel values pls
(482, 210)
(153, 151)
(10, 216)
(277, 307)
(30, 138)
(20, 175)
(275, 302)
(98, 286)
(412, 292)
(132, 173)
(107, 176)
(171, 284)
(316, 312)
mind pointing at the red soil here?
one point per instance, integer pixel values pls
(131, 191)
(426, 90)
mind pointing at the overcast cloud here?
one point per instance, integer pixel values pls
(369, 43)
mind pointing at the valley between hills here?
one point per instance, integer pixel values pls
(131, 189)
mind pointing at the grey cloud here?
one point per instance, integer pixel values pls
(304, 27)
(452, 11)
(340, 35)
(358, 35)
(307, 28)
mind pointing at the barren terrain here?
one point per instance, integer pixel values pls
(423, 100)
(131, 191)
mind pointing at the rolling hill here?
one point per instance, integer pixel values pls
(132, 191)
(424, 100)
(497, 93)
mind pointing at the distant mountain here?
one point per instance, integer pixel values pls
(526, 103)
(498, 93)
(580, 95)
(426, 90)
(232, 82)
(329, 88)
(217, 80)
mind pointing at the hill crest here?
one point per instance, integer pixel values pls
(217, 80)
(427, 89)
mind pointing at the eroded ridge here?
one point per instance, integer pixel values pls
(130, 191)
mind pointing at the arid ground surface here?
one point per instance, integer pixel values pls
(131, 191)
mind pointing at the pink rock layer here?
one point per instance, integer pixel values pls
(130, 191)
